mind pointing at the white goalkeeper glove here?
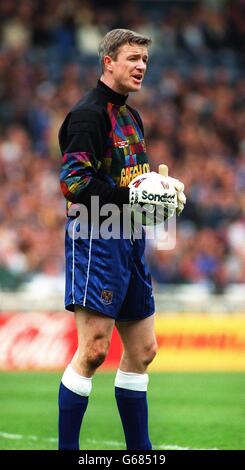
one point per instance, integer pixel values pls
(160, 195)
(181, 197)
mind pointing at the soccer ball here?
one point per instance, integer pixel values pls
(155, 198)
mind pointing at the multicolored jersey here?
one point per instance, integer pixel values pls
(103, 148)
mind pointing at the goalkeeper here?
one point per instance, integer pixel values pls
(107, 281)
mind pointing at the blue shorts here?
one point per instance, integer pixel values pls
(107, 276)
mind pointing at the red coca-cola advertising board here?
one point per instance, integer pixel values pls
(43, 341)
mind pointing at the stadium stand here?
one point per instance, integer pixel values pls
(193, 105)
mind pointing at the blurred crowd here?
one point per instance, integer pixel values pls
(193, 108)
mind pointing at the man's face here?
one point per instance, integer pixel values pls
(129, 67)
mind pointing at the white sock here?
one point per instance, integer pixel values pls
(131, 381)
(76, 383)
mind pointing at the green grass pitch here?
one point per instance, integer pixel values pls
(186, 411)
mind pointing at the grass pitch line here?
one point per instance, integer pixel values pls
(7, 435)
(156, 447)
(10, 436)
(175, 447)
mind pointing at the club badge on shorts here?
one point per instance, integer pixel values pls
(106, 297)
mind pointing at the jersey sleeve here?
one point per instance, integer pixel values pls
(83, 138)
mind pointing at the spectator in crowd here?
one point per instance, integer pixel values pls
(193, 106)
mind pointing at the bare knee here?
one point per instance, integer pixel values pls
(148, 354)
(94, 334)
(94, 354)
(138, 360)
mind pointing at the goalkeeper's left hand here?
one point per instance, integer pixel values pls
(181, 197)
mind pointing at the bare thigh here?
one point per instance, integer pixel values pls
(94, 334)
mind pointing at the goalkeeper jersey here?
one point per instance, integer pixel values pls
(103, 148)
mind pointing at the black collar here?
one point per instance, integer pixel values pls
(112, 96)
